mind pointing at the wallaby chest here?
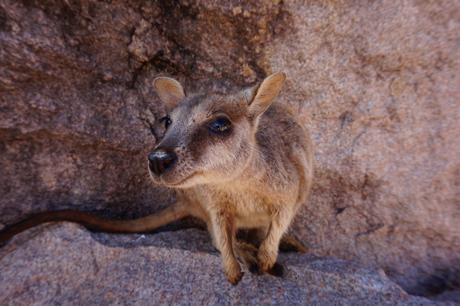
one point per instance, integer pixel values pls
(249, 207)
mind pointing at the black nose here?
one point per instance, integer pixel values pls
(161, 160)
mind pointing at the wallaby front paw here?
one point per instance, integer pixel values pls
(235, 278)
(234, 274)
(266, 260)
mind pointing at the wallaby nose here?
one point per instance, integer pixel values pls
(161, 160)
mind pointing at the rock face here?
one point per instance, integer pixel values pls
(377, 83)
(65, 265)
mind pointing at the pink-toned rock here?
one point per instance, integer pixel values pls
(379, 86)
(377, 83)
(66, 265)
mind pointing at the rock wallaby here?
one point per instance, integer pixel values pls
(237, 161)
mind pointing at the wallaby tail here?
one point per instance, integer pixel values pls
(92, 222)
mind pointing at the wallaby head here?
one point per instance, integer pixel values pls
(209, 137)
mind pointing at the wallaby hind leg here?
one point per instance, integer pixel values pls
(288, 242)
(247, 253)
(291, 244)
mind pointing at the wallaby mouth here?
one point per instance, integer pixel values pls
(182, 183)
(168, 181)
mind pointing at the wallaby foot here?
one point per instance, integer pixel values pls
(291, 244)
(247, 253)
(277, 270)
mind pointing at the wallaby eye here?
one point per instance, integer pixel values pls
(167, 121)
(221, 125)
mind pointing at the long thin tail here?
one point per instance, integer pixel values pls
(92, 222)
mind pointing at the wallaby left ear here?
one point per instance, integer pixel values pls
(267, 91)
(169, 90)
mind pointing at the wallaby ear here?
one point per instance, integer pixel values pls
(263, 95)
(169, 90)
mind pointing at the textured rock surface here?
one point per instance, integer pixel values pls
(377, 82)
(66, 265)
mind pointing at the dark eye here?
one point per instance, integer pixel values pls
(220, 125)
(167, 121)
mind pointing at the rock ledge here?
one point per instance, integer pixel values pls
(66, 264)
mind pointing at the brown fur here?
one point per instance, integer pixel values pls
(254, 177)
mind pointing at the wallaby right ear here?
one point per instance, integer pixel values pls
(262, 96)
(169, 90)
